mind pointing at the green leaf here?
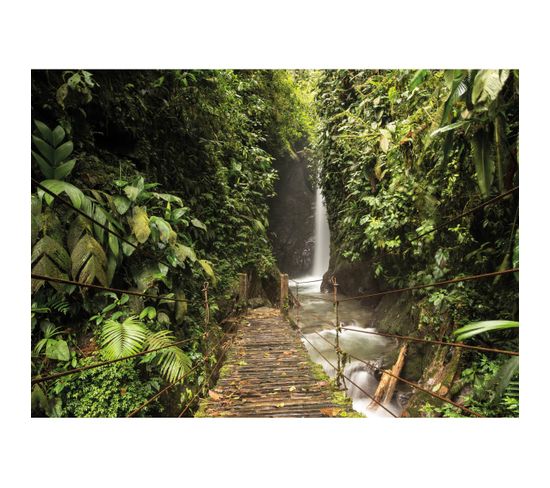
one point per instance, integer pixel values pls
(164, 228)
(62, 152)
(487, 84)
(64, 169)
(149, 312)
(208, 269)
(58, 134)
(418, 78)
(173, 362)
(140, 224)
(45, 132)
(505, 375)
(122, 339)
(483, 160)
(113, 243)
(57, 187)
(122, 204)
(88, 261)
(476, 328)
(449, 127)
(132, 192)
(47, 170)
(167, 197)
(57, 349)
(197, 223)
(46, 150)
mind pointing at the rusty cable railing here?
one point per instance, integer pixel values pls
(35, 276)
(350, 380)
(41, 379)
(463, 214)
(410, 383)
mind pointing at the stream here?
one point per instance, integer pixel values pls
(316, 316)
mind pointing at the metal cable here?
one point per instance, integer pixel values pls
(438, 283)
(428, 341)
(41, 379)
(414, 385)
(171, 385)
(468, 212)
(351, 381)
(207, 382)
(106, 288)
(103, 226)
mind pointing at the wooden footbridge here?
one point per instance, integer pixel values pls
(268, 373)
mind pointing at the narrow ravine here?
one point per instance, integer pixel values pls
(317, 320)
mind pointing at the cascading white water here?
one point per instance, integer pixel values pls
(321, 253)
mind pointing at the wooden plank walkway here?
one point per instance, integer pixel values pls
(268, 373)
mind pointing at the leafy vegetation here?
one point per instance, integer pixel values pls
(175, 167)
(402, 151)
(207, 140)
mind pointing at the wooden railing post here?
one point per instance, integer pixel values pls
(284, 292)
(243, 290)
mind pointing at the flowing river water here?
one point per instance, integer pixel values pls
(316, 318)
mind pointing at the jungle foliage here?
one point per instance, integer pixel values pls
(177, 164)
(402, 151)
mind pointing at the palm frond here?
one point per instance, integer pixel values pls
(119, 339)
(173, 362)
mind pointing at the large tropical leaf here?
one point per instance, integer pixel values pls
(89, 262)
(173, 362)
(184, 252)
(57, 187)
(476, 328)
(119, 339)
(504, 376)
(167, 235)
(208, 269)
(53, 154)
(49, 258)
(63, 169)
(487, 84)
(140, 224)
(482, 155)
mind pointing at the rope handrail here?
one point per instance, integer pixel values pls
(171, 385)
(41, 379)
(188, 404)
(437, 283)
(96, 222)
(433, 341)
(414, 385)
(347, 378)
(468, 212)
(106, 288)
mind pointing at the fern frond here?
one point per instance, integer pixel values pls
(173, 362)
(119, 339)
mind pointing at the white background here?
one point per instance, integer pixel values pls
(261, 34)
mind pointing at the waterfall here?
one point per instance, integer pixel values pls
(321, 252)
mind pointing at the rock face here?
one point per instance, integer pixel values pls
(291, 217)
(353, 278)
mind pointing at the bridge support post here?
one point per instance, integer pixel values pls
(243, 290)
(284, 292)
